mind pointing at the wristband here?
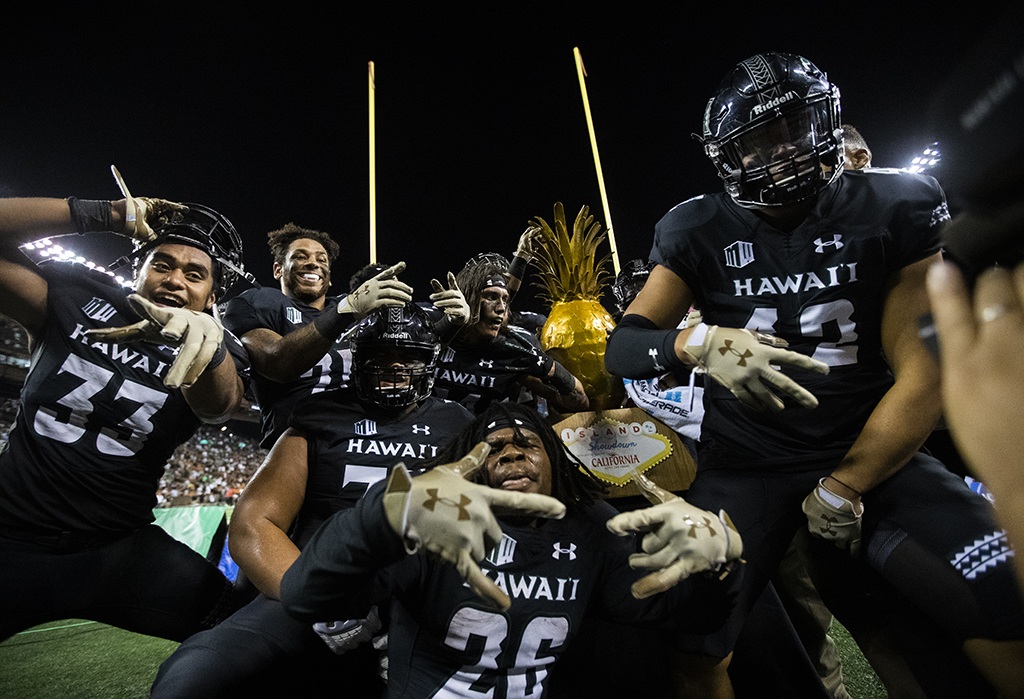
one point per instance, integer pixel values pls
(332, 324)
(91, 215)
(517, 269)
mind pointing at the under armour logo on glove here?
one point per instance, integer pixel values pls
(728, 348)
(674, 547)
(412, 507)
(752, 378)
(695, 527)
(831, 516)
(431, 503)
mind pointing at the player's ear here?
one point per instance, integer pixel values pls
(278, 270)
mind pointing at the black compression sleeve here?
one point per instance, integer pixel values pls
(638, 349)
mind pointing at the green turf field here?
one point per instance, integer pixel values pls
(79, 660)
(76, 659)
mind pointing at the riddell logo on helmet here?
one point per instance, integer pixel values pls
(402, 335)
(772, 103)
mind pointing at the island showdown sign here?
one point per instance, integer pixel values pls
(615, 444)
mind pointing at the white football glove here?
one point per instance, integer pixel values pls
(833, 517)
(383, 289)
(451, 300)
(342, 636)
(528, 242)
(140, 212)
(455, 519)
(742, 360)
(198, 336)
(680, 539)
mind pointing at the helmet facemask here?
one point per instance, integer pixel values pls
(394, 356)
(395, 377)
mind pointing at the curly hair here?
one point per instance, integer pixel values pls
(572, 482)
(280, 239)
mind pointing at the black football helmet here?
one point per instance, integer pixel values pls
(203, 228)
(629, 282)
(773, 130)
(394, 355)
(492, 258)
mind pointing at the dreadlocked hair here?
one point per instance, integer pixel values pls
(280, 239)
(572, 482)
(472, 279)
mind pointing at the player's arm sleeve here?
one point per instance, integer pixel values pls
(638, 349)
(344, 569)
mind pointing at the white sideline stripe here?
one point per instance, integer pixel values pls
(55, 628)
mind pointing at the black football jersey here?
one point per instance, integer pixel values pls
(821, 287)
(352, 446)
(96, 425)
(443, 641)
(267, 307)
(478, 375)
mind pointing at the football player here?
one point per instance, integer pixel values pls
(338, 443)
(810, 282)
(490, 360)
(102, 410)
(464, 624)
(292, 333)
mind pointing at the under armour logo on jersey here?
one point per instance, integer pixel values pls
(365, 427)
(98, 309)
(294, 315)
(487, 363)
(729, 349)
(820, 244)
(503, 553)
(739, 254)
(433, 499)
(654, 358)
(569, 550)
(982, 555)
(421, 429)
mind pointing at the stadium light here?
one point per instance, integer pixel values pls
(928, 159)
(45, 249)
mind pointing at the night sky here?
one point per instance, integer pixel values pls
(479, 127)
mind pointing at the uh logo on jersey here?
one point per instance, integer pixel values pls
(524, 586)
(741, 253)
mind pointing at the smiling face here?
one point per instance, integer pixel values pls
(305, 273)
(518, 462)
(177, 275)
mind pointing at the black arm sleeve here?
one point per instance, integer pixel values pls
(336, 575)
(638, 349)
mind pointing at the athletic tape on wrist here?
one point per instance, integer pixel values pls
(91, 215)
